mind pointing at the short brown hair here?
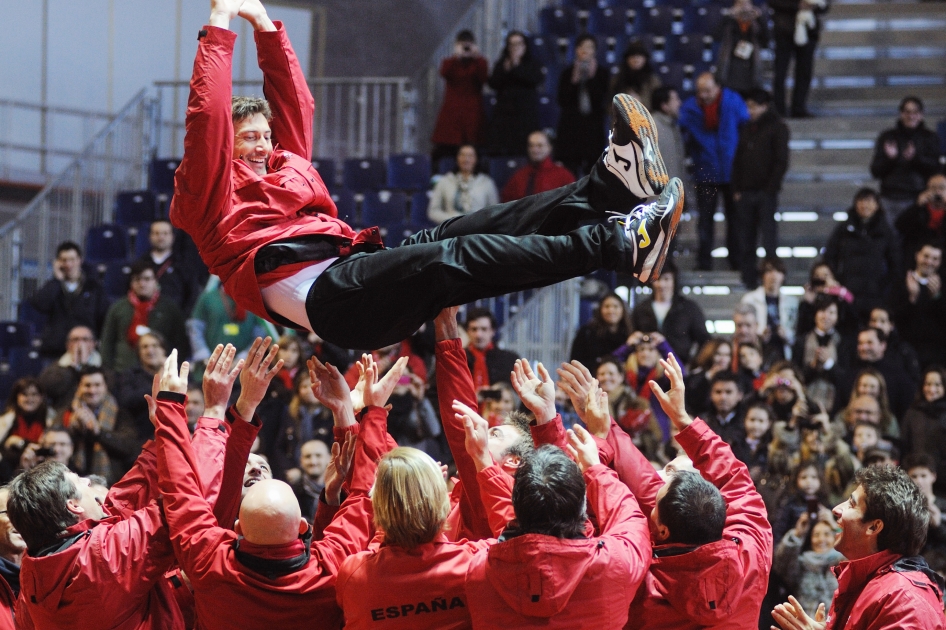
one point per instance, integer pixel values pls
(37, 504)
(242, 107)
(892, 497)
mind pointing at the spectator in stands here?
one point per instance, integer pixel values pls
(711, 121)
(784, 391)
(922, 471)
(759, 167)
(308, 487)
(805, 556)
(924, 424)
(178, 283)
(105, 441)
(462, 191)
(797, 27)
(582, 89)
(608, 330)
(919, 306)
(291, 354)
(60, 379)
(822, 281)
(775, 313)
(743, 33)
(817, 352)
(301, 420)
(905, 157)
(725, 415)
(714, 356)
(869, 382)
(541, 174)
(22, 423)
(643, 354)
(749, 368)
(54, 445)
(12, 548)
(69, 299)
(630, 411)
(635, 75)
(923, 221)
(872, 352)
(752, 447)
(144, 309)
(677, 318)
(883, 527)
(488, 363)
(866, 409)
(807, 485)
(461, 116)
(195, 405)
(863, 252)
(515, 80)
(665, 107)
(897, 348)
(132, 384)
(218, 319)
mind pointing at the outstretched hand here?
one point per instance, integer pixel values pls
(372, 390)
(477, 435)
(537, 392)
(258, 371)
(222, 11)
(337, 469)
(671, 401)
(328, 384)
(597, 411)
(254, 12)
(219, 379)
(168, 379)
(575, 380)
(582, 448)
(445, 324)
(791, 616)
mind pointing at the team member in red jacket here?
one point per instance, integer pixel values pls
(540, 174)
(713, 542)
(884, 584)
(12, 547)
(264, 222)
(544, 572)
(267, 574)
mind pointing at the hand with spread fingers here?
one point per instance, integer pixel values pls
(338, 467)
(168, 379)
(258, 371)
(671, 401)
(597, 411)
(576, 381)
(791, 616)
(582, 448)
(477, 435)
(372, 390)
(218, 380)
(328, 385)
(537, 392)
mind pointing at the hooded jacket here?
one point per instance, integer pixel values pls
(887, 591)
(864, 257)
(538, 581)
(716, 585)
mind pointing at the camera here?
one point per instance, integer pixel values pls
(937, 199)
(467, 48)
(645, 339)
(818, 283)
(44, 451)
(783, 382)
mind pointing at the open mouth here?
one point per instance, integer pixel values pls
(250, 482)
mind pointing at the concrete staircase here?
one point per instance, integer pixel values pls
(871, 55)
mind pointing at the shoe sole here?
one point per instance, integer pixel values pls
(651, 271)
(642, 125)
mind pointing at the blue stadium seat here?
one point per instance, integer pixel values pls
(692, 49)
(161, 175)
(446, 164)
(612, 22)
(346, 203)
(673, 75)
(704, 19)
(611, 50)
(363, 174)
(26, 314)
(140, 238)
(7, 378)
(657, 45)
(941, 132)
(327, 170)
(383, 208)
(501, 169)
(583, 5)
(548, 113)
(134, 206)
(14, 335)
(663, 20)
(25, 362)
(409, 171)
(115, 279)
(418, 214)
(106, 242)
(623, 5)
(544, 49)
(558, 21)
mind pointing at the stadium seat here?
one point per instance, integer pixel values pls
(501, 169)
(384, 208)
(140, 237)
(612, 22)
(418, 213)
(704, 19)
(115, 279)
(409, 171)
(692, 49)
(26, 314)
(941, 132)
(611, 50)
(106, 242)
(544, 49)
(363, 174)
(14, 335)
(623, 5)
(583, 5)
(161, 175)
(673, 75)
(25, 361)
(134, 206)
(658, 20)
(347, 205)
(327, 170)
(446, 164)
(558, 21)
(548, 113)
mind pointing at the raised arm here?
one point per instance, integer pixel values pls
(495, 486)
(537, 392)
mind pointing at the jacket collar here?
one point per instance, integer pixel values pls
(274, 561)
(853, 575)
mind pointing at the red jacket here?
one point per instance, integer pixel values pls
(227, 209)
(112, 575)
(883, 591)
(548, 176)
(461, 116)
(717, 585)
(227, 592)
(7, 602)
(536, 581)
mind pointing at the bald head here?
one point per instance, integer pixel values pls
(706, 88)
(270, 514)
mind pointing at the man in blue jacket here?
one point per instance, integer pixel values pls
(711, 122)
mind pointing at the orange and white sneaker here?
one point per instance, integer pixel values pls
(633, 155)
(650, 228)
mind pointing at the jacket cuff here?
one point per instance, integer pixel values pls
(232, 416)
(172, 397)
(691, 436)
(449, 344)
(217, 35)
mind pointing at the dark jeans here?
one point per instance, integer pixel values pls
(706, 195)
(370, 300)
(785, 48)
(755, 213)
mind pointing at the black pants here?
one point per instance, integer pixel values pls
(785, 48)
(706, 196)
(370, 300)
(755, 213)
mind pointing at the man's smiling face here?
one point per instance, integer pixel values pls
(253, 142)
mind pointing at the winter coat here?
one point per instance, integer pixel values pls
(921, 323)
(683, 326)
(761, 159)
(735, 72)
(516, 112)
(887, 591)
(864, 256)
(538, 581)
(807, 574)
(716, 585)
(86, 306)
(588, 346)
(581, 136)
(913, 224)
(461, 116)
(443, 199)
(901, 178)
(713, 151)
(923, 431)
(545, 176)
(164, 318)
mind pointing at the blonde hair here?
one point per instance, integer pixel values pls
(409, 498)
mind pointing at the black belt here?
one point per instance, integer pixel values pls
(301, 249)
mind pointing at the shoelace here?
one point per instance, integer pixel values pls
(645, 211)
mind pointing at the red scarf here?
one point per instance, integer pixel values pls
(29, 431)
(711, 113)
(634, 381)
(235, 312)
(140, 317)
(936, 218)
(480, 371)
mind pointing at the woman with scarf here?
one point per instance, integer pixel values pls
(643, 353)
(462, 191)
(609, 328)
(515, 79)
(22, 422)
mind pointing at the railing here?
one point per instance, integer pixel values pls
(82, 195)
(354, 117)
(542, 327)
(39, 140)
